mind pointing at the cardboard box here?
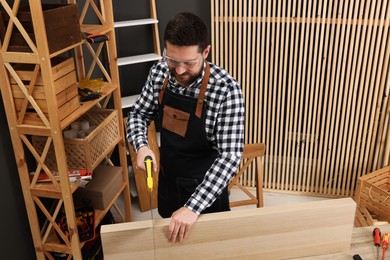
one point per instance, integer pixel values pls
(61, 22)
(105, 184)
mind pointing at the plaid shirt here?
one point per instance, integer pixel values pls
(224, 125)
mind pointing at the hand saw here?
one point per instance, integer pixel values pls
(149, 183)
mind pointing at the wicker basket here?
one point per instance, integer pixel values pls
(373, 193)
(88, 152)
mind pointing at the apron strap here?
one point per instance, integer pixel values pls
(160, 96)
(202, 92)
(203, 87)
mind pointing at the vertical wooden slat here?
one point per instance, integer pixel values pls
(332, 159)
(375, 82)
(298, 94)
(370, 88)
(245, 23)
(267, 111)
(305, 96)
(225, 53)
(231, 38)
(351, 100)
(257, 98)
(347, 56)
(273, 96)
(290, 103)
(309, 101)
(362, 90)
(323, 138)
(213, 29)
(358, 50)
(286, 28)
(341, 101)
(319, 84)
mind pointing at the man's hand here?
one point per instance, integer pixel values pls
(180, 225)
(141, 154)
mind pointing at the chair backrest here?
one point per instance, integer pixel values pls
(253, 153)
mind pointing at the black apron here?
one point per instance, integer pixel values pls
(185, 154)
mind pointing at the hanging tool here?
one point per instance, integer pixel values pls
(97, 38)
(377, 240)
(385, 242)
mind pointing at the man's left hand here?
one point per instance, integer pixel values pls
(180, 225)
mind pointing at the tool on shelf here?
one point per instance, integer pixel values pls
(385, 242)
(97, 38)
(377, 240)
(87, 94)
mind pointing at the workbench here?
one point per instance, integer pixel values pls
(362, 243)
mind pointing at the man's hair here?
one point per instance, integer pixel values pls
(187, 29)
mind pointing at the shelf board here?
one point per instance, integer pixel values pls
(138, 22)
(129, 101)
(94, 29)
(107, 89)
(48, 190)
(138, 59)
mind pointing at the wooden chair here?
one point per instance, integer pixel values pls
(253, 153)
(144, 196)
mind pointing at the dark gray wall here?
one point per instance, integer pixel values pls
(138, 40)
(16, 241)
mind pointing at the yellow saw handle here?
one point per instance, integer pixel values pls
(149, 177)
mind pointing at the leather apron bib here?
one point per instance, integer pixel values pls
(185, 154)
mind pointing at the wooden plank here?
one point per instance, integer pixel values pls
(306, 229)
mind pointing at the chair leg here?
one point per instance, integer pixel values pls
(259, 183)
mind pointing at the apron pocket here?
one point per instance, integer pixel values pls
(175, 120)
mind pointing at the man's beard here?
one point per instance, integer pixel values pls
(185, 79)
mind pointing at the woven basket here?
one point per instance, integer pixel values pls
(373, 192)
(88, 152)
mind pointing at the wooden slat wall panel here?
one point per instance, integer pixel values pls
(314, 77)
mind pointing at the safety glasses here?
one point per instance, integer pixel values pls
(188, 64)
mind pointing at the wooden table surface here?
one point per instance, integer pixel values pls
(362, 244)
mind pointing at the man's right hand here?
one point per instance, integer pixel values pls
(141, 154)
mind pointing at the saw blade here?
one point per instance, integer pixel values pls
(152, 220)
(149, 185)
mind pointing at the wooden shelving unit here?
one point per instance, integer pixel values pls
(30, 117)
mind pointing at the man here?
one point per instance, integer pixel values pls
(202, 126)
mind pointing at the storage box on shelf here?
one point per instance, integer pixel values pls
(86, 153)
(62, 27)
(100, 191)
(65, 88)
(373, 195)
